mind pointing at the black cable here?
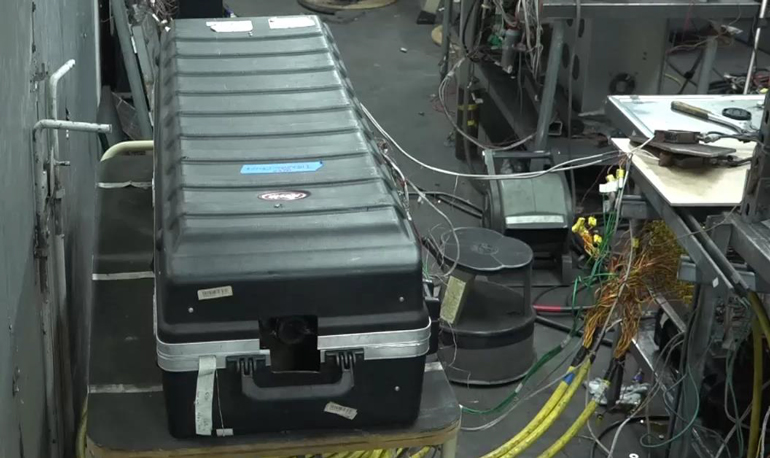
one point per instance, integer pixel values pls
(564, 328)
(453, 197)
(544, 292)
(680, 73)
(617, 424)
(464, 28)
(454, 205)
(688, 75)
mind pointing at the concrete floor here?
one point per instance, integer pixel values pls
(399, 89)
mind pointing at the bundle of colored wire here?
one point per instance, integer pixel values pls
(663, 246)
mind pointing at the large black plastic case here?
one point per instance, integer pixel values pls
(283, 251)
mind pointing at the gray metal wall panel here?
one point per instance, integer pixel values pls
(62, 29)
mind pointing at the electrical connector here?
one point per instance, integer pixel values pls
(579, 225)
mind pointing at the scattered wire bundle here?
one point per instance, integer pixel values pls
(662, 245)
(163, 9)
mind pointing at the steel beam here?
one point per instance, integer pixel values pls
(689, 273)
(548, 95)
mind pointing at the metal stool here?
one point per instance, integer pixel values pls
(486, 329)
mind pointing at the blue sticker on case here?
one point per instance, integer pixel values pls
(288, 167)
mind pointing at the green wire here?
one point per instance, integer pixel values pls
(643, 441)
(511, 397)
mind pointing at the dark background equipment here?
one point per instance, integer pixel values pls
(487, 328)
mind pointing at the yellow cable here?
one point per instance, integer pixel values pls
(759, 311)
(80, 444)
(543, 426)
(547, 408)
(421, 453)
(377, 453)
(561, 442)
(756, 400)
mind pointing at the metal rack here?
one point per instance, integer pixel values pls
(528, 103)
(748, 234)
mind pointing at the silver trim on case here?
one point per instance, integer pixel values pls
(183, 357)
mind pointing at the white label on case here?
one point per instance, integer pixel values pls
(290, 22)
(230, 26)
(345, 412)
(215, 293)
(224, 432)
(204, 395)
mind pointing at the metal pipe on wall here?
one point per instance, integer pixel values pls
(45, 268)
(52, 265)
(60, 311)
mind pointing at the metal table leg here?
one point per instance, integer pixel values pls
(549, 86)
(446, 36)
(706, 65)
(449, 448)
(698, 337)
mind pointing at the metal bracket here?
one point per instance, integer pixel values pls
(636, 207)
(689, 272)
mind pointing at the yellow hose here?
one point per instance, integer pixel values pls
(759, 311)
(132, 146)
(547, 408)
(80, 443)
(421, 453)
(756, 400)
(558, 409)
(561, 442)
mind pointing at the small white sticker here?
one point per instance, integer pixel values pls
(204, 395)
(345, 412)
(715, 283)
(215, 293)
(606, 188)
(224, 432)
(453, 298)
(290, 22)
(230, 26)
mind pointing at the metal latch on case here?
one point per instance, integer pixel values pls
(345, 359)
(246, 364)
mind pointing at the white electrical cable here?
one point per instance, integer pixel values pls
(594, 159)
(449, 221)
(761, 450)
(673, 343)
(458, 129)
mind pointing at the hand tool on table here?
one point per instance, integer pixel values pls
(741, 132)
(684, 149)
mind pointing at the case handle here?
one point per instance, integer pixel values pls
(294, 393)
